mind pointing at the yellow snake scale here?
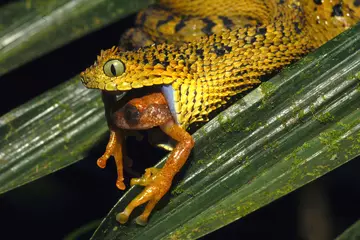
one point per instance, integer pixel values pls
(247, 39)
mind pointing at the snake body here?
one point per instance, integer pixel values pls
(213, 50)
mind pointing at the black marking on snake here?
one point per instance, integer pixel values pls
(297, 29)
(318, 2)
(209, 25)
(221, 50)
(337, 11)
(249, 40)
(282, 1)
(146, 61)
(241, 73)
(282, 28)
(181, 57)
(261, 31)
(228, 23)
(180, 25)
(357, 3)
(142, 19)
(200, 53)
(228, 48)
(162, 22)
(165, 63)
(155, 61)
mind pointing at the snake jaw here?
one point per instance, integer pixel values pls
(168, 92)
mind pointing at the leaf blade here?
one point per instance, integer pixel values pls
(44, 135)
(29, 29)
(60, 126)
(352, 233)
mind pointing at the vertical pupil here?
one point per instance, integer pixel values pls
(113, 70)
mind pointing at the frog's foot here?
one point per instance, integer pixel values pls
(114, 148)
(157, 184)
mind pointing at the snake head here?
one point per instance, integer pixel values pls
(116, 70)
(106, 72)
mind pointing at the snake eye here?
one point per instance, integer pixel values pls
(113, 68)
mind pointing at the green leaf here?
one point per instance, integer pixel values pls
(291, 130)
(59, 127)
(29, 29)
(296, 127)
(48, 133)
(352, 233)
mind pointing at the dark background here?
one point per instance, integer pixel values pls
(56, 205)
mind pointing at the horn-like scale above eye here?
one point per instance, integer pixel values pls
(113, 68)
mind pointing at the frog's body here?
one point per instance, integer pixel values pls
(199, 76)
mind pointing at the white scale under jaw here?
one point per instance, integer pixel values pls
(168, 92)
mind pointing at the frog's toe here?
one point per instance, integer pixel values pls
(120, 185)
(140, 220)
(101, 162)
(139, 181)
(122, 217)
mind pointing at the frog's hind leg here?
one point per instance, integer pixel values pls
(158, 181)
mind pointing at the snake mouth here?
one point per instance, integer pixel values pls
(117, 99)
(85, 79)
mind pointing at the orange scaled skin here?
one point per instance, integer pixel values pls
(144, 113)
